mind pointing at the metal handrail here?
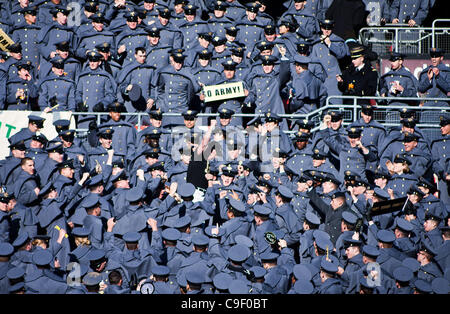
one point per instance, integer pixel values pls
(355, 107)
(396, 28)
(433, 27)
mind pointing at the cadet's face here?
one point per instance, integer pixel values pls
(398, 167)
(177, 66)
(24, 3)
(3, 207)
(300, 144)
(436, 61)
(337, 202)
(229, 37)
(224, 122)
(18, 153)
(358, 190)
(149, 6)
(36, 144)
(28, 167)
(61, 18)
(123, 184)
(31, 18)
(336, 125)
(203, 62)
(445, 129)
(115, 116)
(366, 118)
(219, 13)
(410, 146)
(203, 42)
(429, 225)
(380, 182)
(156, 123)
(229, 74)
(178, 8)
(150, 160)
(58, 71)
(62, 54)
(236, 59)
(153, 40)
(357, 61)
(278, 200)
(396, 64)
(406, 129)
(258, 220)
(67, 172)
(328, 187)
(220, 48)
(270, 37)
(283, 29)
(94, 64)
(163, 20)
(353, 141)
(218, 136)
(189, 123)
(226, 180)
(317, 162)
(351, 252)
(267, 68)
(23, 73)
(271, 126)
(105, 142)
(153, 142)
(140, 57)
(326, 32)
(33, 127)
(368, 195)
(98, 26)
(190, 17)
(132, 25)
(105, 55)
(299, 68)
(251, 15)
(302, 186)
(299, 5)
(12, 203)
(413, 198)
(16, 55)
(56, 156)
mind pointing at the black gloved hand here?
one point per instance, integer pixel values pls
(53, 102)
(98, 107)
(93, 126)
(81, 107)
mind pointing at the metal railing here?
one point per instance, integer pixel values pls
(406, 39)
(388, 115)
(433, 30)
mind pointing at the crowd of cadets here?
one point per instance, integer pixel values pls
(175, 208)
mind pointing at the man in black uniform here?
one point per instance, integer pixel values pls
(359, 78)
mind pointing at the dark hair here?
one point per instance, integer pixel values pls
(350, 227)
(114, 277)
(140, 49)
(24, 160)
(131, 246)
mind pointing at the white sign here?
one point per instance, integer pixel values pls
(223, 91)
